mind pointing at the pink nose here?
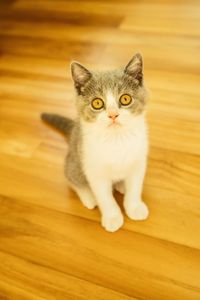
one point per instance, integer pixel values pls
(113, 116)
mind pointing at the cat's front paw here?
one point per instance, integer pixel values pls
(137, 212)
(90, 203)
(112, 222)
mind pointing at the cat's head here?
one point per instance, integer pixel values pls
(110, 98)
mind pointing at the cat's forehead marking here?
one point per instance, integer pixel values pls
(110, 99)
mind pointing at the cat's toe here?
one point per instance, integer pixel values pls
(113, 223)
(89, 203)
(138, 212)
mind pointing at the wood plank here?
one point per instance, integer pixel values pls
(96, 20)
(160, 19)
(49, 48)
(28, 278)
(58, 232)
(122, 8)
(187, 59)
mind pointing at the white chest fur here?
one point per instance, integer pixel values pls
(112, 153)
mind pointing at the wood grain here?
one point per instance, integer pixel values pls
(51, 247)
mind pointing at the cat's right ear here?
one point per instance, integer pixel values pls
(80, 74)
(134, 68)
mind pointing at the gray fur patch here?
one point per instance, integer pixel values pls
(73, 166)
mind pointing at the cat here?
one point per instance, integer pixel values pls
(108, 144)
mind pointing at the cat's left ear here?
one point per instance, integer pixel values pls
(135, 67)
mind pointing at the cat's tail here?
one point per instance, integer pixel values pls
(61, 123)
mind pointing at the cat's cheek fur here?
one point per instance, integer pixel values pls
(102, 119)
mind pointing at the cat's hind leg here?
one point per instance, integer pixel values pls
(78, 181)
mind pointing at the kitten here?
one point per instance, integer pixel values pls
(108, 141)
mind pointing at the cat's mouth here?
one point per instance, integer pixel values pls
(115, 124)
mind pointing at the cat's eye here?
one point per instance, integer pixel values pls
(97, 103)
(125, 99)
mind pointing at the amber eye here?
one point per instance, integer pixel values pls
(97, 103)
(125, 99)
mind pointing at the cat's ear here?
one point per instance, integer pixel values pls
(80, 74)
(134, 68)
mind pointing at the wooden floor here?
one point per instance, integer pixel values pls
(51, 247)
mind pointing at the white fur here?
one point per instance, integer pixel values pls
(86, 196)
(111, 103)
(116, 153)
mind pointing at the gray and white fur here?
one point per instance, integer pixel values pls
(108, 141)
